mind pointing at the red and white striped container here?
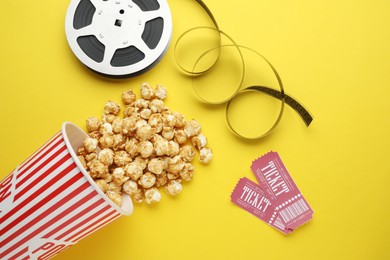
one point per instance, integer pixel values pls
(49, 202)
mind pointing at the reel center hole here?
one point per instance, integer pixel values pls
(118, 22)
(121, 11)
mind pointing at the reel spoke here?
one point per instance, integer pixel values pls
(141, 45)
(108, 54)
(151, 15)
(87, 30)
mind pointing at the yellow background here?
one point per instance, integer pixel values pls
(334, 56)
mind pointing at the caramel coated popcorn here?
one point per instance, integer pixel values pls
(90, 145)
(147, 148)
(205, 155)
(152, 195)
(93, 124)
(174, 187)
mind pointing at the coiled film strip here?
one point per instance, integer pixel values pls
(278, 94)
(119, 38)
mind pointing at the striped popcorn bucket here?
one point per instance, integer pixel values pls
(49, 202)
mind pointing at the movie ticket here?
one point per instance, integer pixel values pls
(276, 199)
(249, 196)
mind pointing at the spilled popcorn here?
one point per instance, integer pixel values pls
(148, 148)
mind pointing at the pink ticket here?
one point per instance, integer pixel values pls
(281, 190)
(249, 196)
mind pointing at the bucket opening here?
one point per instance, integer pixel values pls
(74, 137)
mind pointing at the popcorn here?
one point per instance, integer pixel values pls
(102, 184)
(168, 133)
(156, 165)
(128, 111)
(145, 113)
(147, 180)
(90, 157)
(152, 195)
(108, 178)
(205, 155)
(173, 187)
(93, 124)
(166, 162)
(112, 107)
(95, 135)
(128, 97)
(106, 141)
(188, 172)
(138, 196)
(143, 162)
(160, 146)
(129, 125)
(169, 120)
(119, 142)
(130, 187)
(116, 197)
(160, 92)
(122, 158)
(134, 170)
(147, 92)
(108, 118)
(105, 128)
(156, 121)
(180, 120)
(147, 148)
(192, 128)
(140, 123)
(175, 164)
(82, 160)
(90, 144)
(144, 132)
(173, 148)
(141, 103)
(187, 152)
(81, 151)
(118, 176)
(199, 141)
(180, 136)
(98, 169)
(106, 156)
(117, 125)
(113, 187)
(161, 179)
(172, 176)
(156, 105)
(132, 148)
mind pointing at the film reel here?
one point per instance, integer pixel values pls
(119, 38)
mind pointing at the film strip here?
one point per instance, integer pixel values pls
(119, 38)
(240, 89)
